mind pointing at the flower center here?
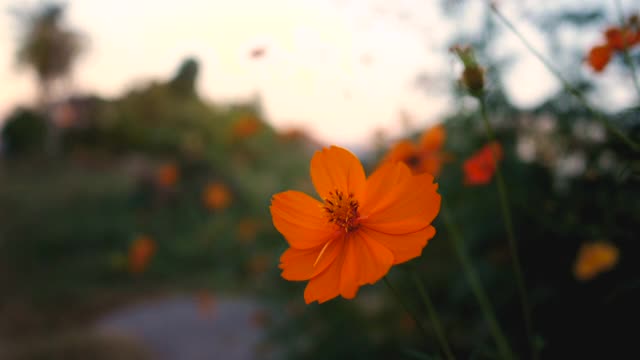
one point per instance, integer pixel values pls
(412, 161)
(342, 210)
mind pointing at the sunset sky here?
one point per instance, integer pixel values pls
(338, 68)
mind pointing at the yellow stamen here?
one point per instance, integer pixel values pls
(342, 210)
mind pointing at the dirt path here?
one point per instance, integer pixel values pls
(191, 328)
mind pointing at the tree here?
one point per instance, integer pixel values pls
(47, 46)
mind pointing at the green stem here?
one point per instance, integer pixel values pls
(513, 245)
(476, 287)
(632, 69)
(404, 305)
(433, 314)
(625, 51)
(566, 84)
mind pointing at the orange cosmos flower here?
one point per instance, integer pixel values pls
(140, 253)
(206, 303)
(359, 230)
(247, 229)
(246, 127)
(167, 175)
(479, 168)
(621, 39)
(617, 39)
(216, 196)
(599, 57)
(259, 263)
(595, 258)
(426, 156)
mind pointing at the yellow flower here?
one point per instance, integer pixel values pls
(594, 258)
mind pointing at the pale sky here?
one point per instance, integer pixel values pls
(312, 75)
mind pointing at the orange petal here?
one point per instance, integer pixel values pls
(599, 57)
(300, 219)
(299, 265)
(337, 169)
(620, 39)
(326, 285)
(433, 139)
(380, 185)
(431, 164)
(405, 246)
(401, 151)
(410, 206)
(365, 262)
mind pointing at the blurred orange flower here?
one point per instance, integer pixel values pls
(292, 135)
(617, 39)
(260, 318)
(259, 263)
(361, 228)
(599, 57)
(245, 127)
(216, 196)
(206, 303)
(140, 253)
(247, 230)
(167, 175)
(621, 39)
(257, 52)
(480, 167)
(424, 157)
(594, 258)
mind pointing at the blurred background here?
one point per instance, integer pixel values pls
(141, 143)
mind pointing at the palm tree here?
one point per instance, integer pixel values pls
(50, 49)
(47, 46)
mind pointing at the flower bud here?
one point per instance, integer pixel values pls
(473, 74)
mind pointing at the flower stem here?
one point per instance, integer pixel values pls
(433, 314)
(508, 224)
(625, 51)
(566, 84)
(404, 305)
(476, 287)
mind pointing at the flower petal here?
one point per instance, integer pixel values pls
(405, 246)
(480, 167)
(365, 262)
(599, 57)
(300, 265)
(411, 205)
(380, 185)
(326, 285)
(401, 151)
(433, 139)
(337, 169)
(300, 219)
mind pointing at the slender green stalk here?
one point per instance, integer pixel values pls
(566, 84)
(404, 305)
(433, 314)
(476, 287)
(625, 51)
(632, 69)
(513, 245)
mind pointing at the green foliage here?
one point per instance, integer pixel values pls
(24, 133)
